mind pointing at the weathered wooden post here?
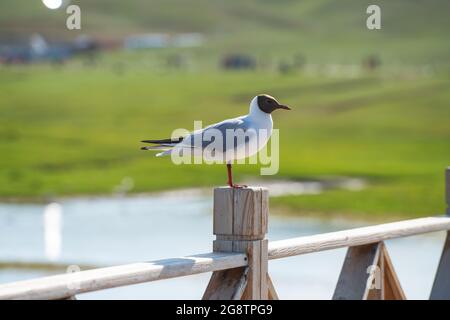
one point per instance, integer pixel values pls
(368, 274)
(240, 225)
(441, 285)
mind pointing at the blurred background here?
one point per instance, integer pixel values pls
(368, 138)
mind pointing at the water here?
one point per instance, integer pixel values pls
(110, 231)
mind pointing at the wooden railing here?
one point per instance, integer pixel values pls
(239, 261)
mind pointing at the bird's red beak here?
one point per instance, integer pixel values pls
(282, 106)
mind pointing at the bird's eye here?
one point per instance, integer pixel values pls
(269, 101)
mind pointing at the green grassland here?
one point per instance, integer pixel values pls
(75, 129)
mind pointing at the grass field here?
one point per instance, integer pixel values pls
(75, 129)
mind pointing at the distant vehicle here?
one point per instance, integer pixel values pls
(35, 50)
(18, 54)
(238, 62)
(85, 44)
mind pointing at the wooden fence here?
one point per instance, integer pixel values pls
(239, 261)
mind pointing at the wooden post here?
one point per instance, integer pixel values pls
(240, 225)
(368, 274)
(392, 290)
(356, 279)
(441, 285)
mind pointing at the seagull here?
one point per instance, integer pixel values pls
(244, 141)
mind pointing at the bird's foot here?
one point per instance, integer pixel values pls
(238, 186)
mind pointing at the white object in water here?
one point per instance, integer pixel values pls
(53, 231)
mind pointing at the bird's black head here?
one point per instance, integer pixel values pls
(268, 104)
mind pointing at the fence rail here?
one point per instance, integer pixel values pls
(239, 260)
(356, 237)
(70, 284)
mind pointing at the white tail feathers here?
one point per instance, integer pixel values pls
(165, 153)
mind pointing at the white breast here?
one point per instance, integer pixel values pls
(261, 126)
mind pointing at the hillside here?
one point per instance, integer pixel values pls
(413, 31)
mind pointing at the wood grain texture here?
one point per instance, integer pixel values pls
(264, 210)
(241, 286)
(222, 245)
(226, 284)
(356, 237)
(247, 213)
(354, 281)
(376, 278)
(253, 250)
(223, 210)
(62, 286)
(257, 287)
(360, 279)
(264, 270)
(392, 290)
(247, 210)
(240, 214)
(272, 293)
(441, 285)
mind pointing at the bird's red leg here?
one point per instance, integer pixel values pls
(230, 176)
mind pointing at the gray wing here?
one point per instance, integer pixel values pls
(208, 135)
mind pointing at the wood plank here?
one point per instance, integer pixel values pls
(356, 237)
(264, 270)
(61, 286)
(249, 219)
(241, 285)
(240, 214)
(223, 210)
(222, 245)
(375, 281)
(354, 281)
(253, 250)
(226, 284)
(264, 210)
(441, 285)
(392, 288)
(257, 288)
(272, 293)
(249, 226)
